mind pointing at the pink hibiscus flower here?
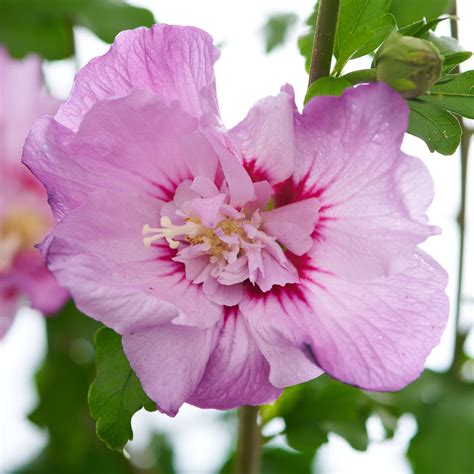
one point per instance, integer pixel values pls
(238, 262)
(25, 217)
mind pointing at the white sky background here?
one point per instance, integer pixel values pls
(244, 75)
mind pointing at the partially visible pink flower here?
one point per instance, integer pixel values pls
(274, 251)
(25, 217)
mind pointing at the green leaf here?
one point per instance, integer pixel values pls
(450, 49)
(26, 28)
(362, 27)
(443, 407)
(314, 409)
(158, 455)
(326, 86)
(106, 18)
(421, 28)
(116, 394)
(424, 30)
(456, 95)
(277, 461)
(62, 384)
(277, 28)
(445, 438)
(282, 461)
(409, 11)
(456, 58)
(412, 28)
(438, 128)
(386, 26)
(45, 27)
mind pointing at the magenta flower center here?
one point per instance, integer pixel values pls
(194, 232)
(217, 242)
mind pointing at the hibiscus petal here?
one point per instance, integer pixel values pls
(237, 373)
(263, 192)
(266, 140)
(208, 210)
(34, 280)
(275, 323)
(204, 187)
(240, 185)
(102, 155)
(170, 361)
(8, 308)
(20, 106)
(225, 295)
(293, 224)
(376, 334)
(275, 273)
(184, 194)
(373, 197)
(98, 253)
(174, 62)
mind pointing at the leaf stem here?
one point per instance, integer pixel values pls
(249, 444)
(324, 36)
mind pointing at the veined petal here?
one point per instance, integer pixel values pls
(170, 361)
(280, 334)
(238, 180)
(102, 154)
(237, 373)
(34, 280)
(293, 224)
(225, 295)
(266, 138)
(23, 99)
(208, 209)
(275, 273)
(376, 334)
(97, 252)
(175, 62)
(373, 197)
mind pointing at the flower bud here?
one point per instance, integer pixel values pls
(410, 65)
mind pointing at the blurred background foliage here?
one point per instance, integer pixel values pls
(62, 383)
(442, 403)
(46, 27)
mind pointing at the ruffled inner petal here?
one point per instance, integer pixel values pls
(293, 224)
(265, 138)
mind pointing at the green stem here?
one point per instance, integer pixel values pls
(360, 77)
(460, 336)
(249, 444)
(324, 35)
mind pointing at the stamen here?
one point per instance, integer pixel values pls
(168, 231)
(195, 233)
